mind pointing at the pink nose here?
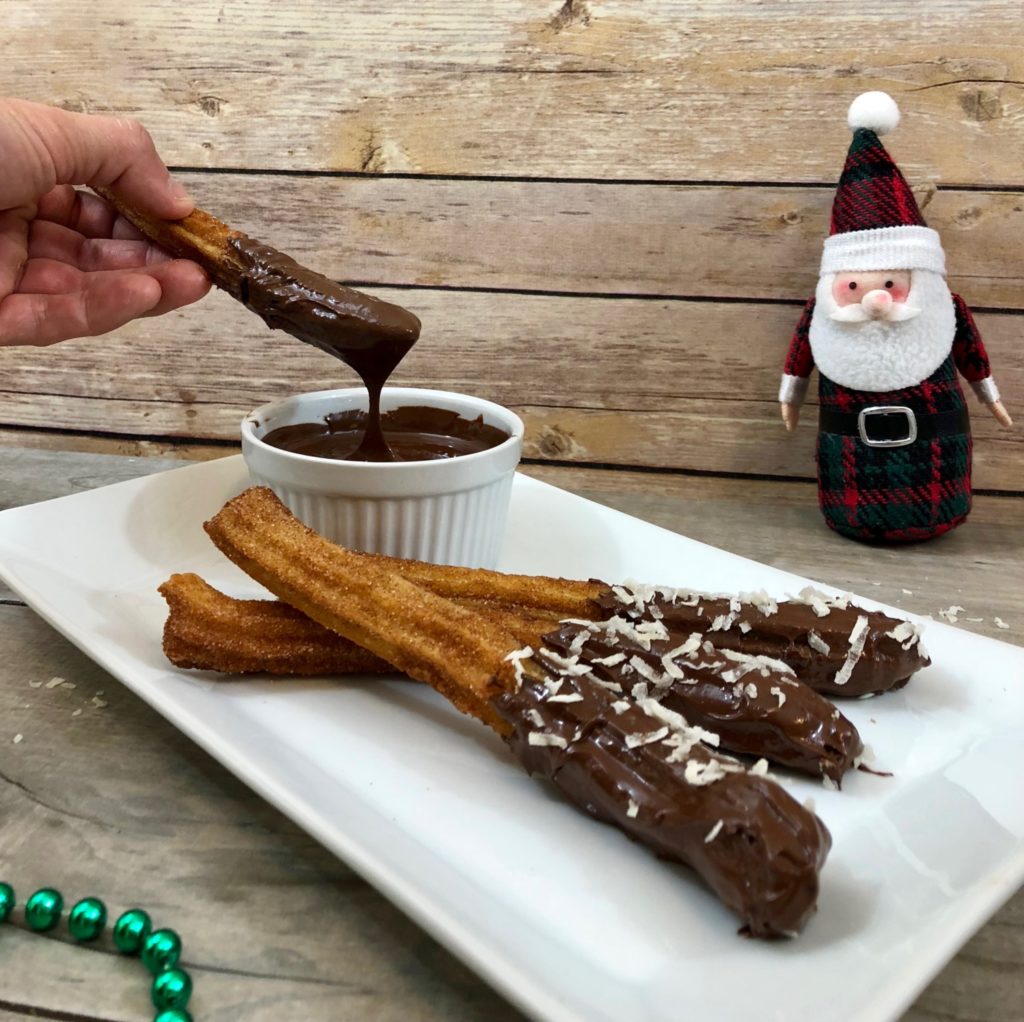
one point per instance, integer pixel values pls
(877, 302)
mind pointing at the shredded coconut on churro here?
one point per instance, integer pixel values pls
(546, 738)
(635, 740)
(858, 636)
(516, 658)
(817, 643)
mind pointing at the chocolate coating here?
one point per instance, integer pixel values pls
(761, 711)
(784, 634)
(757, 848)
(413, 433)
(368, 334)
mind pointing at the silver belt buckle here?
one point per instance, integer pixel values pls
(887, 410)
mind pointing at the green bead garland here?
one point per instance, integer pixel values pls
(7, 901)
(131, 930)
(161, 950)
(87, 919)
(43, 909)
(173, 1015)
(172, 989)
(132, 934)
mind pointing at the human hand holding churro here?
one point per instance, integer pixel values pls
(69, 265)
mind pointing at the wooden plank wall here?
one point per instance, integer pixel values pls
(607, 213)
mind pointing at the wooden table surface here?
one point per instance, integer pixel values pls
(113, 800)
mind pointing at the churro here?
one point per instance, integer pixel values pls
(755, 705)
(619, 755)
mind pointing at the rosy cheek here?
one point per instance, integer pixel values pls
(899, 293)
(843, 295)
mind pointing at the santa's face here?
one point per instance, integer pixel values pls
(864, 296)
(892, 330)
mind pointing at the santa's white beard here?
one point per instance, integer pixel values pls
(881, 355)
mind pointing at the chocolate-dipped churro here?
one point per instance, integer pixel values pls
(629, 761)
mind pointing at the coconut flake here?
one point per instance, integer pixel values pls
(638, 738)
(632, 810)
(621, 705)
(701, 774)
(759, 769)
(829, 783)
(713, 833)
(609, 661)
(858, 636)
(817, 643)
(906, 633)
(546, 738)
(999, 622)
(569, 697)
(535, 716)
(744, 627)
(516, 658)
(950, 613)
(751, 690)
(779, 694)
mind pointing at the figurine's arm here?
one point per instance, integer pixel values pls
(972, 360)
(797, 370)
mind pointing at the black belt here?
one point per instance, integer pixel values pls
(892, 425)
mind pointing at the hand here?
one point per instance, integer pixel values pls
(790, 415)
(69, 266)
(1002, 416)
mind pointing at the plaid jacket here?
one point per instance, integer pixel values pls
(894, 495)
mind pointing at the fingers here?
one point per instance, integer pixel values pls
(53, 242)
(106, 304)
(111, 151)
(58, 301)
(86, 213)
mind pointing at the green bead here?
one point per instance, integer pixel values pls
(131, 930)
(43, 909)
(172, 989)
(173, 1015)
(161, 950)
(87, 919)
(6, 901)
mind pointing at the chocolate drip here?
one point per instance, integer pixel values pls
(750, 841)
(413, 433)
(783, 630)
(368, 334)
(755, 708)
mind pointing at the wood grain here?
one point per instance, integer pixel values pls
(687, 241)
(273, 925)
(697, 379)
(727, 90)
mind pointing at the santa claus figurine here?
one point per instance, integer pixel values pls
(887, 336)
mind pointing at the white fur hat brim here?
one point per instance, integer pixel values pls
(910, 247)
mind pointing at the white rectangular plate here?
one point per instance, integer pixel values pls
(565, 916)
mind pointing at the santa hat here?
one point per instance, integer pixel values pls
(876, 224)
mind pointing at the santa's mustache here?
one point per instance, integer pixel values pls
(898, 312)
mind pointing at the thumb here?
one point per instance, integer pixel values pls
(83, 149)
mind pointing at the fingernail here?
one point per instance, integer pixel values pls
(180, 194)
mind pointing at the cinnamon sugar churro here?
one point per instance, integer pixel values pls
(572, 717)
(755, 705)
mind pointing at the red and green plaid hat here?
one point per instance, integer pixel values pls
(876, 224)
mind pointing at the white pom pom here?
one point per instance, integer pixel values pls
(875, 110)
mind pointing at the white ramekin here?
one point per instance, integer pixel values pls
(450, 511)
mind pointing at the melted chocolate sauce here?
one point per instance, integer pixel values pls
(366, 333)
(412, 433)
